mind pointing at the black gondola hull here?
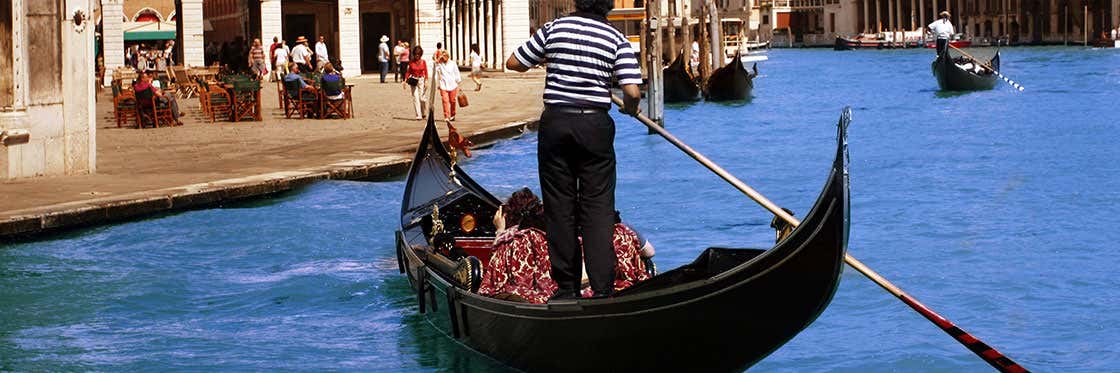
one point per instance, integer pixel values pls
(724, 312)
(678, 85)
(951, 77)
(731, 83)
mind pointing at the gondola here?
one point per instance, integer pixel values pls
(679, 86)
(724, 311)
(953, 76)
(731, 82)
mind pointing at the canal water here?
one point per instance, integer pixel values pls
(999, 209)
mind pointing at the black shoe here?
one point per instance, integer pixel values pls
(564, 295)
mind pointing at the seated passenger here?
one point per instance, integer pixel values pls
(332, 76)
(519, 268)
(632, 253)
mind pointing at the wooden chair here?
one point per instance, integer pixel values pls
(303, 102)
(125, 105)
(340, 107)
(188, 87)
(280, 93)
(214, 100)
(246, 93)
(153, 110)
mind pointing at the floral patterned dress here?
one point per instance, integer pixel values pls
(519, 267)
(629, 268)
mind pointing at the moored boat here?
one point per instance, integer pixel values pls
(678, 83)
(732, 82)
(965, 74)
(725, 311)
(959, 43)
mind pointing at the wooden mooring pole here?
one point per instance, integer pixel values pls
(655, 89)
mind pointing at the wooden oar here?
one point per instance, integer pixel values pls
(989, 354)
(989, 67)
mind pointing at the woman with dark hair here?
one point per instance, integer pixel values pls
(476, 67)
(416, 77)
(519, 268)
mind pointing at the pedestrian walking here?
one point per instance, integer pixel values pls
(476, 67)
(301, 54)
(449, 78)
(280, 58)
(416, 79)
(321, 55)
(403, 59)
(575, 148)
(258, 63)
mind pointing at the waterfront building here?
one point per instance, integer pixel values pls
(351, 28)
(47, 91)
(818, 22)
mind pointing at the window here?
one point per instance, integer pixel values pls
(766, 19)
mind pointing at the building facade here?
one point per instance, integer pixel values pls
(818, 22)
(47, 109)
(351, 29)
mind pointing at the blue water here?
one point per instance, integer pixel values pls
(998, 209)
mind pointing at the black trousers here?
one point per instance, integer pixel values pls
(942, 46)
(575, 154)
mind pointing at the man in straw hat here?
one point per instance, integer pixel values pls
(942, 29)
(301, 54)
(383, 57)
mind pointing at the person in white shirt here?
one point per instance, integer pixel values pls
(449, 79)
(400, 53)
(476, 67)
(301, 54)
(383, 57)
(321, 55)
(942, 29)
(280, 58)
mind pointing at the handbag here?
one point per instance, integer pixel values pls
(412, 81)
(463, 100)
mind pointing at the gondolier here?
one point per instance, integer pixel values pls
(942, 29)
(575, 150)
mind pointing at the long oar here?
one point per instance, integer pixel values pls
(990, 355)
(989, 67)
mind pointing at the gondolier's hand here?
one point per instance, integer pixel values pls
(631, 96)
(637, 110)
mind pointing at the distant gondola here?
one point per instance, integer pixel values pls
(678, 83)
(732, 82)
(725, 311)
(964, 74)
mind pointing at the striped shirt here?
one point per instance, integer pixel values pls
(582, 54)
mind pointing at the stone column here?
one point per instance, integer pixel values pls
(515, 26)
(272, 18)
(349, 37)
(890, 15)
(79, 141)
(429, 26)
(1115, 13)
(866, 18)
(878, 18)
(194, 53)
(112, 36)
(922, 13)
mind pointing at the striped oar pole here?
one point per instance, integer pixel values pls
(989, 67)
(981, 349)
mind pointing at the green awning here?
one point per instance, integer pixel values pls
(149, 35)
(142, 31)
